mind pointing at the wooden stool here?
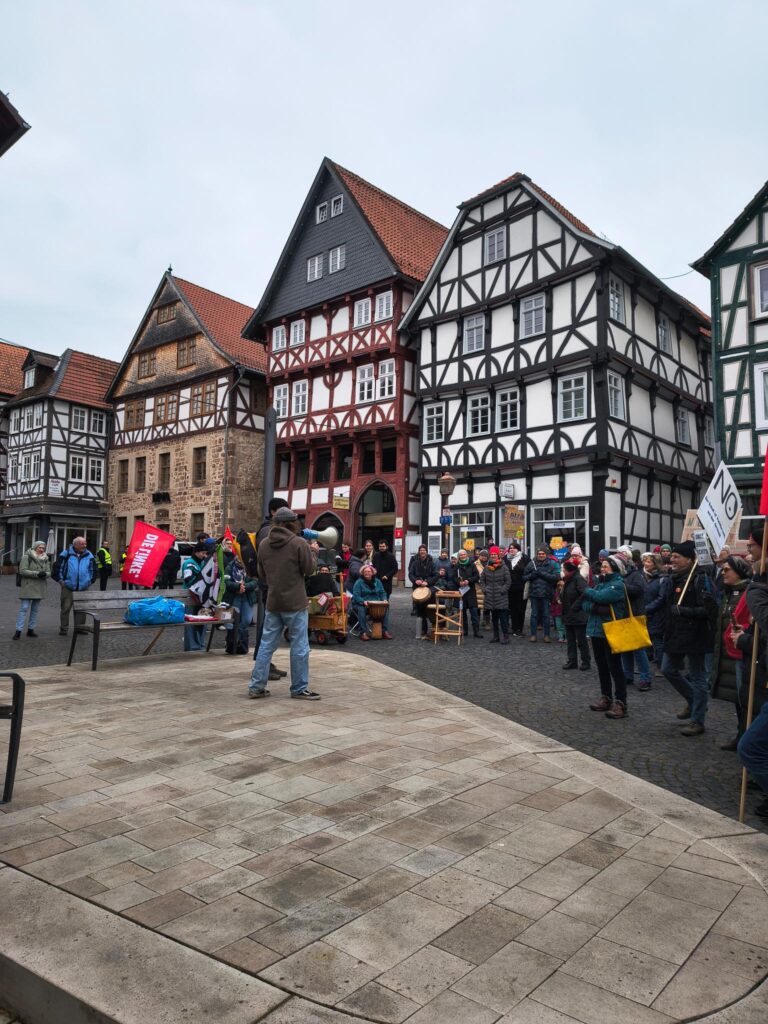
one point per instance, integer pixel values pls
(448, 623)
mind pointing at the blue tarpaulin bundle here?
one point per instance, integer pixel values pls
(154, 611)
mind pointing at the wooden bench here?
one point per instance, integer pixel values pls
(106, 609)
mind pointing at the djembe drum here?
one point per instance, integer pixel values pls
(421, 596)
(376, 611)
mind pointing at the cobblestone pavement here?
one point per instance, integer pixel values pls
(522, 682)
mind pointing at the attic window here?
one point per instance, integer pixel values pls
(29, 377)
(166, 313)
(148, 363)
(337, 205)
(321, 213)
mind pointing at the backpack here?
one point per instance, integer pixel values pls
(59, 571)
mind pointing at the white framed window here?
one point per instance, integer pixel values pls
(572, 397)
(384, 306)
(337, 205)
(474, 333)
(532, 315)
(337, 259)
(760, 288)
(29, 377)
(34, 473)
(508, 409)
(495, 245)
(98, 422)
(663, 336)
(77, 467)
(29, 417)
(26, 466)
(38, 414)
(682, 426)
(365, 383)
(278, 338)
(300, 397)
(616, 299)
(79, 419)
(478, 415)
(362, 312)
(96, 471)
(761, 396)
(297, 333)
(281, 401)
(434, 423)
(709, 432)
(13, 469)
(315, 268)
(15, 420)
(616, 403)
(321, 213)
(387, 378)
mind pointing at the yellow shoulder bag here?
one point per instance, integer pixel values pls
(624, 635)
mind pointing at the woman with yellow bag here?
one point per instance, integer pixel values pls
(604, 603)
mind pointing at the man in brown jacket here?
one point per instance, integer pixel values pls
(284, 559)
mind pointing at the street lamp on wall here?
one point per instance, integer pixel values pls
(447, 485)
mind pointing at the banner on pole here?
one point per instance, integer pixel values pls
(719, 507)
(147, 548)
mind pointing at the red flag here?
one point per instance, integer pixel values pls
(228, 535)
(147, 548)
(764, 493)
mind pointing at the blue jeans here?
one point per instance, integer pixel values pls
(639, 659)
(694, 687)
(753, 749)
(540, 614)
(362, 618)
(194, 636)
(33, 604)
(297, 624)
(245, 611)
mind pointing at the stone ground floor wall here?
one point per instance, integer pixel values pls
(230, 495)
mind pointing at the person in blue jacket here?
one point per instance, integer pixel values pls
(597, 601)
(541, 576)
(369, 588)
(75, 569)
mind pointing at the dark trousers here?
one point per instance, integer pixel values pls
(753, 749)
(104, 575)
(517, 605)
(500, 619)
(609, 670)
(474, 615)
(576, 638)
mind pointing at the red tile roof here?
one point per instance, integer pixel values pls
(224, 319)
(518, 176)
(411, 239)
(83, 378)
(11, 360)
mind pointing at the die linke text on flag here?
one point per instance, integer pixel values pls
(147, 549)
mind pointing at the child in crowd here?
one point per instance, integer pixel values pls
(556, 611)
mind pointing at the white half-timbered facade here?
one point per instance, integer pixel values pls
(737, 267)
(189, 403)
(59, 429)
(341, 382)
(558, 376)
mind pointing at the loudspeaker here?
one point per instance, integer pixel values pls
(329, 537)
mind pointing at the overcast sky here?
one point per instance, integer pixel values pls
(189, 132)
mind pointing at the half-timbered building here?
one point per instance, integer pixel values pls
(737, 267)
(189, 400)
(58, 436)
(341, 382)
(12, 359)
(559, 380)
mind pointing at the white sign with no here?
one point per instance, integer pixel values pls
(719, 507)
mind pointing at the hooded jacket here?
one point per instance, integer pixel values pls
(542, 577)
(32, 587)
(494, 584)
(689, 630)
(285, 559)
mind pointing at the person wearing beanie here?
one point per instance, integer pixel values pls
(285, 559)
(468, 579)
(541, 576)
(656, 584)
(275, 504)
(606, 600)
(575, 617)
(691, 614)
(494, 584)
(729, 682)
(666, 553)
(517, 561)
(480, 564)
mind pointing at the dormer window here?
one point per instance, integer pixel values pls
(321, 213)
(337, 205)
(166, 313)
(29, 377)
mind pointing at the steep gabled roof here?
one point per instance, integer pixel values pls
(411, 238)
(704, 263)
(519, 177)
(12, 124)
(12, 359)
(77, 377)
(223, 320)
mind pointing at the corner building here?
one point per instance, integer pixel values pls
(189, 401)
(561, 383)
(341, 381)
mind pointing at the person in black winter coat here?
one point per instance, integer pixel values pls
(542, 575)
(468, 576)
(385, 564)
(517, 562)
(422, 572)
(635, 583)
(753, 745)
(575, 617)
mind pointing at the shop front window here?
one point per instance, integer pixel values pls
(472, 530)
(566, 521)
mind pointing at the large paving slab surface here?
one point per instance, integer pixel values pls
(389, 853)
